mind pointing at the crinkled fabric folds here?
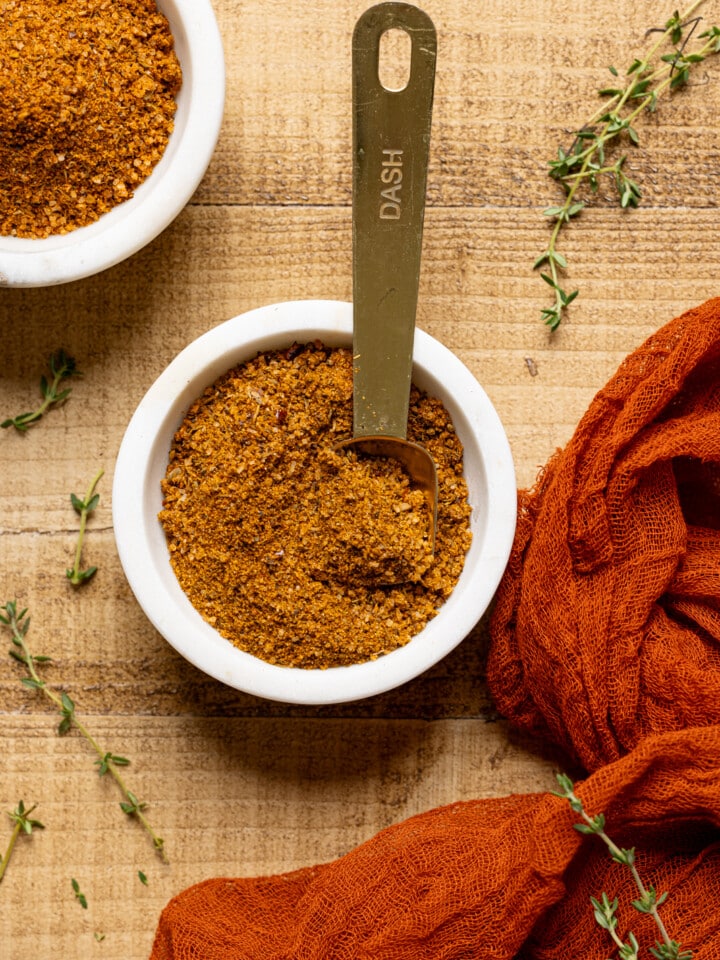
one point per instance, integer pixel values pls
(605, 640)
(607, 623)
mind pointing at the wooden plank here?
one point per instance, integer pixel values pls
(478, 296)
(237, 785)
(110, 659)
(230, 798)
(512, 83)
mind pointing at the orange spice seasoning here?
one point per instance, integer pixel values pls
(87, 101)
(291, 550)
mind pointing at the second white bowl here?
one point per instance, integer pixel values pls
(128, 227)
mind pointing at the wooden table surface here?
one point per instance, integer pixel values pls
(237, 785)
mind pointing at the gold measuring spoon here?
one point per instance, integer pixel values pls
(391, 138)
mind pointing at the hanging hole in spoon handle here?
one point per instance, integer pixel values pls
(391, 139)
(394, 59)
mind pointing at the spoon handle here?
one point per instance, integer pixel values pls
(391, 138)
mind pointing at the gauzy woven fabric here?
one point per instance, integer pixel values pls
(607, 623)
(606, 641)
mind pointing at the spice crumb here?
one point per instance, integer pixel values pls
(299, 554)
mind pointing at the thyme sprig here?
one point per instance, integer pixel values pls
(605, 909)
(62, 366)
(23, 823)
(585, 162)
(79, 895)
(108, 763)
(84, 507)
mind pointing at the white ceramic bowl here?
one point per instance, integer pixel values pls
(142, 461)
(131, 225)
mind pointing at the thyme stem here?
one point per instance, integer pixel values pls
(23, 824)
(11, 846)
(605, 909)
(620, 856)
(585, 162)
(107, 762)
(62, 366)
(85, 507)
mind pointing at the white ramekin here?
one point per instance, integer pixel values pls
(137, 499)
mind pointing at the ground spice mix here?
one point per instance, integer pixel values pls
(291, 550)
(87, 101)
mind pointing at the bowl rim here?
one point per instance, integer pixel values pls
(131, 225)
(140, 541)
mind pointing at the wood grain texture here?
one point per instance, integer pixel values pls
(239, 797)
(238, 785)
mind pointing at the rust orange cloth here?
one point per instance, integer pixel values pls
(607, 622)
(606, 641)
(472, 880)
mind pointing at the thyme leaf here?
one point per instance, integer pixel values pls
(79, 895)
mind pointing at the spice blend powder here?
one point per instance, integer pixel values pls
(288, 548)
(87, 103)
